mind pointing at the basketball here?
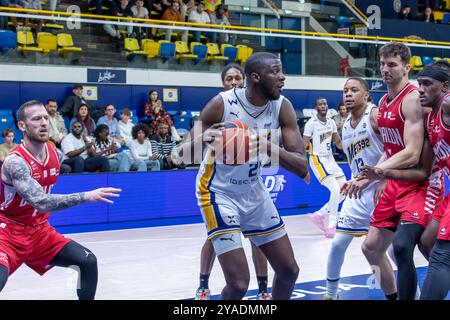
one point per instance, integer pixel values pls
(235, 144)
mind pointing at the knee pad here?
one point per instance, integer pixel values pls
(223, 243)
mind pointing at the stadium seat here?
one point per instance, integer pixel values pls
(182, 52)
(25, 41)
(309, 112)
(132, 48)
(167, 50)
(343, 22)
(7, 121)
(183, 122)
(229, 51)
(426, 60)
(213, 53)
(47, 42)
(8, 40)
(151, 48)
(199, 49)
(65, 44)
(438, 16)
(244, 53)
(18, 136)
(446, 19)
(416, 63)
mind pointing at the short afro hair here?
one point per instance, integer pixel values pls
(138, 127)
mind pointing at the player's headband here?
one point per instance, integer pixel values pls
(438, 75)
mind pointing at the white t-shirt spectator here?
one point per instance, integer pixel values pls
(142, 13)
(199, 17)
(125, 131)
(141, 151)
(70, 143)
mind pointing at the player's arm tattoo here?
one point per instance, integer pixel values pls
(18, 173)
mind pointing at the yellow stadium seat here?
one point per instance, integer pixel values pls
(214, 52)
(182, 51)
(48, 42)
(132, 48)
(151, 48)
(244, 53)
(416, 64)
(25, 42)
(65, 44)
(438, 15)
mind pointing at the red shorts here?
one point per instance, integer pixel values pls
(36, 246)
(442, 214)
(406, 201)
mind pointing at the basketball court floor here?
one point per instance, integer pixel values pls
(163, 263)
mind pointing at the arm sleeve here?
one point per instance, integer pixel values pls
(333, 123)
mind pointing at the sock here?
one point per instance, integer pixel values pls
(204, 278)
(262, 284)
(332, 288)
(391, 296)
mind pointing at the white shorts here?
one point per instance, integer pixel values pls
(325, 166)
(355, 214)
(253, 213)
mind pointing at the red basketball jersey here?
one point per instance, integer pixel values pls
(46, 173)
(439, 135)
(391, 121)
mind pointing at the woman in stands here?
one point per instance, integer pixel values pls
(156, 114)
(83, 116)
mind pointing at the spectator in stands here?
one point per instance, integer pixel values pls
(112, 123)
(84, 117)
(56, 126)
(427, 15)
(79, 152)
(105, 146)
(109, 8)
(190, 6)
(8, 143)
(72, 104)
(218, 17)
(405, 14)
(36, 5)
(173, 14)
(156, 114)
(183, 10)
(199, 16)
(141, 147)
(155, 7)
(340, 117)
(432, 4)
(126, 125)
(139, 11)
(124, 10)
(163, 147)
(12, 4)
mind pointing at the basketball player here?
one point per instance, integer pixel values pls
(433, 89)
(232, 77)
(319, 130)
(28, 174)
(233, 199)
(362, 145)
(404, 208)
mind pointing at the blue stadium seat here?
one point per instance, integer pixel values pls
(183, 122)
(167, 50)
(8, 40)
(426, 60)
(67, 124)
(446, 19)
(343, 22)
(230, 53)
(18, 136)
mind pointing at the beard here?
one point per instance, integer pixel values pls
(36, 137)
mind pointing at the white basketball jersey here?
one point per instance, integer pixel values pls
(321, 134)
(238, 179)
(361, 144)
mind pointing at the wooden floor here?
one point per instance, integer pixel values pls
(163, 263)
